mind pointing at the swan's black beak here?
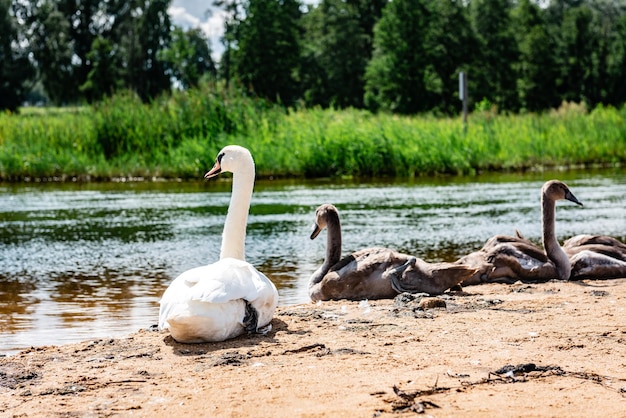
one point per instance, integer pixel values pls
(316, 231)
(570, 196)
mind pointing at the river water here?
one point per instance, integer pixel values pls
(83, 261)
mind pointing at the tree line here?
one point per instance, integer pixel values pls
(400, 56)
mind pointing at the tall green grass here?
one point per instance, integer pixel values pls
(44, 144)
(180, 134)
(350, 142)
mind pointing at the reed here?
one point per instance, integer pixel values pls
(178, 136)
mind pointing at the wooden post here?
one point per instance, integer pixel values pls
(463, 96)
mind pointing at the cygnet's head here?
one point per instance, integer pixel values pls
(322, 216)
(557, 190)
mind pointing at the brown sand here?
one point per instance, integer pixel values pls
(564, 341)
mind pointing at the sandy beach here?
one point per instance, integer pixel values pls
(534, 350)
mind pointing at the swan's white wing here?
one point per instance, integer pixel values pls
(221, 282)
(226, 280)
(210, 291)
(241, 280)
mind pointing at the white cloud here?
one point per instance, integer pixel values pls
(194, 14)
(198, 14)
(214, 26)
(181, 17)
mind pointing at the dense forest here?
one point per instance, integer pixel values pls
(400, 56)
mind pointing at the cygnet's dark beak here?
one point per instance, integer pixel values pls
(570, 196)
(316, 231)
(399, 271)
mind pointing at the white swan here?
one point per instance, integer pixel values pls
(229, 297)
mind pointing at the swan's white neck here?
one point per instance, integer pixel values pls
(553, 249)
(234, 235)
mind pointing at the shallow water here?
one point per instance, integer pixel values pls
(82, 261)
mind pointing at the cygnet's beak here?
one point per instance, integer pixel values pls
(570, 196)
(401, 269)
(316, 231)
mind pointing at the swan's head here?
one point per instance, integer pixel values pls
(557, 190)
(231, 158)
(323, 214)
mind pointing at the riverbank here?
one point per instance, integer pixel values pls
(549, 349)
(179, 138)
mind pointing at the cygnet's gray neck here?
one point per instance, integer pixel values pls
(551, 245)
(333, 248)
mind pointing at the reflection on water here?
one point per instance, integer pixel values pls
(81, 261)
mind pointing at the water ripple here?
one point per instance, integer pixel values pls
(91, 260)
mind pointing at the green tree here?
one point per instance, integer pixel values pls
(537, 67)
(60, 34)
(188, 57)
(395, 74)
(578, 42)
(140, 29)
(104, 77)
(419, 48)
(63, 34)
(336, 49)
(234, 14)
(494, 76)
(266, 53)
(52, 48)
(607, 54)
(450, 46)
(85, 24)
(154, 35)
(16, 71)
(617, 63)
